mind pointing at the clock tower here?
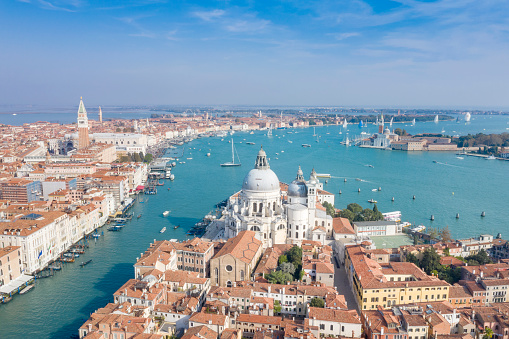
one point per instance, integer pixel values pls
(83, 139)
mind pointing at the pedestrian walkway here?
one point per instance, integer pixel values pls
(344, 286)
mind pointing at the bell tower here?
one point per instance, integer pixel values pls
(83, 139)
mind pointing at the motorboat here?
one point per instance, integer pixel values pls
(165, 213)
(373, 201)
(162, 230)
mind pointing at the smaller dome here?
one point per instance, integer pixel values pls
(387, 131)
(297, 189)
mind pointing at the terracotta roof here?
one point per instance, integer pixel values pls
(202, 332)
(205, 318)
(244, 246)
(342, 226)
(340, 316)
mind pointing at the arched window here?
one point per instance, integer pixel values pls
(323, 223)
(254, 207)
(242, 275)
(274, 206)
(296, 235)
(261, 206)
(228, 283)
(303, 234)
(255, 228)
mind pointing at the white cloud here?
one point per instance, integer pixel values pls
(209, 15)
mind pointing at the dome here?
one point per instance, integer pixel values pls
(297, 189)
(387, 131)
(261, 180)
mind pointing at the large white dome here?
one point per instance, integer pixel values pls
(261, 180)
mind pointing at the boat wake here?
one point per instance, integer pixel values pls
(446, 164)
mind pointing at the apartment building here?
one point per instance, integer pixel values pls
(390, 284)
(20, 190)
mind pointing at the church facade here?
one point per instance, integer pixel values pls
(279, 213)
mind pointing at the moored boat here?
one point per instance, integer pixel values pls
(162, 230)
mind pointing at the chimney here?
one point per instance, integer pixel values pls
(268, 288)
(210, 322)
(482, 274)
(382, 330)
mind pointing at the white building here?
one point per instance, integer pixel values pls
(127, 142)
(260, 206)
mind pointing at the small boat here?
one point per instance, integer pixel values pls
(291, 142)
(175, 227)
(172, 177)
(165, 213)
(208, 154)
(373, 201)
(86, 263)
(27, 289)
(162, 230)
(96, 235)
(358, 179)
(306, 145)
(491, 157)
(250, 143)
(461, 158)
(232, 164)
(113, 229)
(435, 162)
(139, 215)
(168, 188)
(374, 190)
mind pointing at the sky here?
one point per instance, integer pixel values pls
(364, 53)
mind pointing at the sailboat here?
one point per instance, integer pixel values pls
(467, 117)
(269, 133)
(345, 124)
(413, 122)
(361, 124)
(390, 124)
(314, 132)
(233, 163)
(436, 119)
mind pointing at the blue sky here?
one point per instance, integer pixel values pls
(404, 53)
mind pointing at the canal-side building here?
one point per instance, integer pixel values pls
(10, 264)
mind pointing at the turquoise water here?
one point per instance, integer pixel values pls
(59, 305)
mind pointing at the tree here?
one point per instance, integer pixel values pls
(287, 267)
(294, 255)
(430, 260)
(488, 333)
(347, 214)
(277, 307)
(410, 257)
(433, 233)
(118, 130)
(330, 210)
(317, 302)
(148, 157)
(445, 234)
(279, 277)
(282, 259)
(355, 208)
(136, 157)
(481, 258)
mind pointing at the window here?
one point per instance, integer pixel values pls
(322, 326)
(332, 327)
(216, 273)
(241, 274)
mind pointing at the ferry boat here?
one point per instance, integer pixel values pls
(419, 228)
(232, 164)
(165, 213)
(306, 145)
(373, 201)
(392, 216)
(162, 230)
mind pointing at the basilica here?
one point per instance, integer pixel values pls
(277, 212)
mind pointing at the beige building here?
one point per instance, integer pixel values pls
(236, 260)
(10, 264)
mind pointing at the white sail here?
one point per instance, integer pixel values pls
(390, 124)
(467, 117)
(345, 124)
(413, 122)
(436, 119)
